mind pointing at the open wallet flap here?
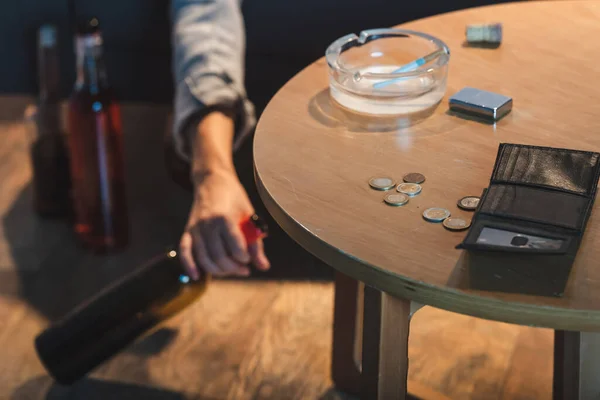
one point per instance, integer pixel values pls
(539, 201)
(529, 223)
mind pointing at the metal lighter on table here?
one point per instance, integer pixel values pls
(480, 103)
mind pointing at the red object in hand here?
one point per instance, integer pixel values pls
(253, 229)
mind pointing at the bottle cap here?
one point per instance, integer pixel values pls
(47, 35)
(88, 26)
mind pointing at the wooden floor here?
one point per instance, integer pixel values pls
(242, 340)
(272, 340)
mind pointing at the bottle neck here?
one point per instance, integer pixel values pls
(90, 63)
(48, 68)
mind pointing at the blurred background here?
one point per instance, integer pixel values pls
(282, 38)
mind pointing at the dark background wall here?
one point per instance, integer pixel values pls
(136, 35)
(282, 37)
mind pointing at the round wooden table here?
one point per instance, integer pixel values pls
(313, 161)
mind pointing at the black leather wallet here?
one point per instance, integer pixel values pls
(537, 205)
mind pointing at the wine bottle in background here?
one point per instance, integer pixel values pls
(48, 152)
(104, 325)
(96, 149)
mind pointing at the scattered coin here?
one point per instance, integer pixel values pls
(414, 177)
(396, 199)
(469, 203)
(436, 214)
(456, 224)
(411, 189)
(382, 183)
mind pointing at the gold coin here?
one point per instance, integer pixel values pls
(411, 189)
(396, 199)
(382, 183)
(456, 224)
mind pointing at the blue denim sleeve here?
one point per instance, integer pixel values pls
(208, 65)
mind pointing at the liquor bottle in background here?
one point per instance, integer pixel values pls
(48, 152)
(105, 324)
(96, 149)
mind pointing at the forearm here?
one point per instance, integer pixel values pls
(212, 146)
(209, 46)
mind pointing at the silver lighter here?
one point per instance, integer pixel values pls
(491, 33)
(480, 103)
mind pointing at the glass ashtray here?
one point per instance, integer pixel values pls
(388, 71)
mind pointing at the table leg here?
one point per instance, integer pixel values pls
(385, 346)
(345, 372)
(576, 365)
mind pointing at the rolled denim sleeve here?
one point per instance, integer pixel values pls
(208, 65)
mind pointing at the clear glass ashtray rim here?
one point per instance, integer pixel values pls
(338, 46)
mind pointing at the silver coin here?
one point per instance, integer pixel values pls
(396, 199)
(382, 183)
(456, 224)
(414, 177)
(411, 189)
(436, 214)
(469, 203)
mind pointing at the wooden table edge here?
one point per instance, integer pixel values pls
(444, 298)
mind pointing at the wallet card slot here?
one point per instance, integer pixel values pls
(566, 170)
(494, 233)
(545, 206)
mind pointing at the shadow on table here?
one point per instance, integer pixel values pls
(94, 389)
(482, 45)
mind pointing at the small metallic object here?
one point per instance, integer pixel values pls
(436, 214)
(468, 203)
(480, 103)
(411, 189)
(414, 177)
(396, 199)
(456, 224)
(382, 183)
(484, 33)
